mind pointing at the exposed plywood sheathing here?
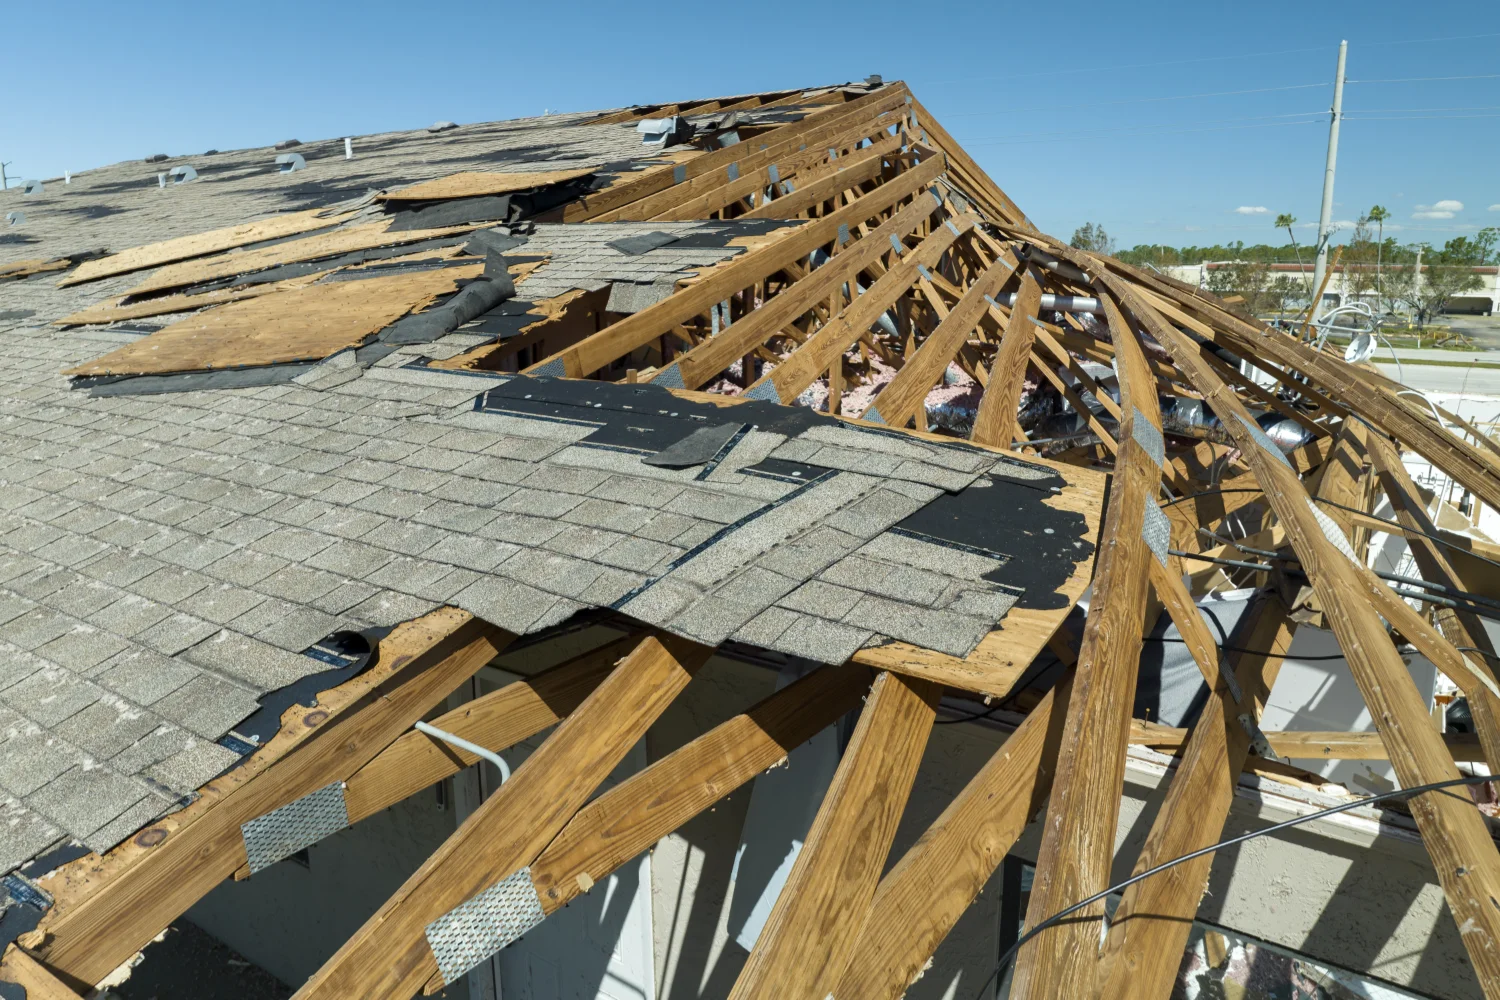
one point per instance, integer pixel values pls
(200, 245)
(472, 184)
(296, 324)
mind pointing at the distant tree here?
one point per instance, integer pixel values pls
(1378, 214)
(1281, 292)
(1091, 236)
(1442, 274)
(1286, 220)
(1361, 261)
(1248, 279)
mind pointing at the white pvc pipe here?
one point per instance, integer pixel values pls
(348, 148)
(464, 744)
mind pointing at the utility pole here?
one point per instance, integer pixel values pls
(1325, 218)
(4, 184)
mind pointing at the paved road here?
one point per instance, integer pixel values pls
(1484, 329)
(1445, 378)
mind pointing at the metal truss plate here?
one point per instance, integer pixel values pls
(477, 928)
(285, 831)
(1148, 437)
(1156, 530)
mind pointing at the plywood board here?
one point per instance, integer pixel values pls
(198, 245)
(300, 324)
(367, 236)
(472, 184)
(113, 311)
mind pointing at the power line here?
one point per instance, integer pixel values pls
(1430, 79)
(1001, 141)
(1149, 65)
(1414, 118)
(1120, 128)
(1142, 100)
(1382, 111)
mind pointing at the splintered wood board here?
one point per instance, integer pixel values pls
(367, 236)
(26, 268)
(198, 245)
(300, 324)
(471, 184)
(113, 312)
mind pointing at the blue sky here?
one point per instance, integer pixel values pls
(1081, 111)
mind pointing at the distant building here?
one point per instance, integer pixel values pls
(1484, 300)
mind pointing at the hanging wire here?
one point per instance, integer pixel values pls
(1061, 915)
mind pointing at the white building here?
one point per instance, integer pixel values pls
(1484, 300)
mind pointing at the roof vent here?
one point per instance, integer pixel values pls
(441, 126)
(156, 157)
(873, 80)
(32, 187)
(15, 218)
(182, 174)
(287, 162)
(210, 152)
(288, 143)
(664, 132)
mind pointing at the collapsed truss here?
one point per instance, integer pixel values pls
(902, 261)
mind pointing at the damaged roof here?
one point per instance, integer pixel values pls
(176, 543)
(783, 371)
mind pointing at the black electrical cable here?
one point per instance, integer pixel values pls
(1248, 652)
(1482, 610)
(1061, 915)
(1353, 510)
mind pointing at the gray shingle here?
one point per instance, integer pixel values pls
(207, 706)
(192, 767)
(51, 695)
(298, 584)
(809, 553)
(222, 602)
(423, 578)
(27, 833)
(349, 558)
(128, 822)
(390, 608)
(175, 633)
(507, 603)
(170, 584)
(144, 676)
(106, 727)
(817, 639)
(84, 596)
(765, 628)
(245, 567)
(86, 798)
(36, 627)
(30, 759)
(944, 559)
(82, 648)
(129, 616)
(472, 552)
(254, 662)
(552, 571)
(943, 631)
(158, 745)
(822, 599)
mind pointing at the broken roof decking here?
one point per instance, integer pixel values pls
(525, 499)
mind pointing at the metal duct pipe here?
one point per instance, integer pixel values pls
(1056, 303)
(1059, 267)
